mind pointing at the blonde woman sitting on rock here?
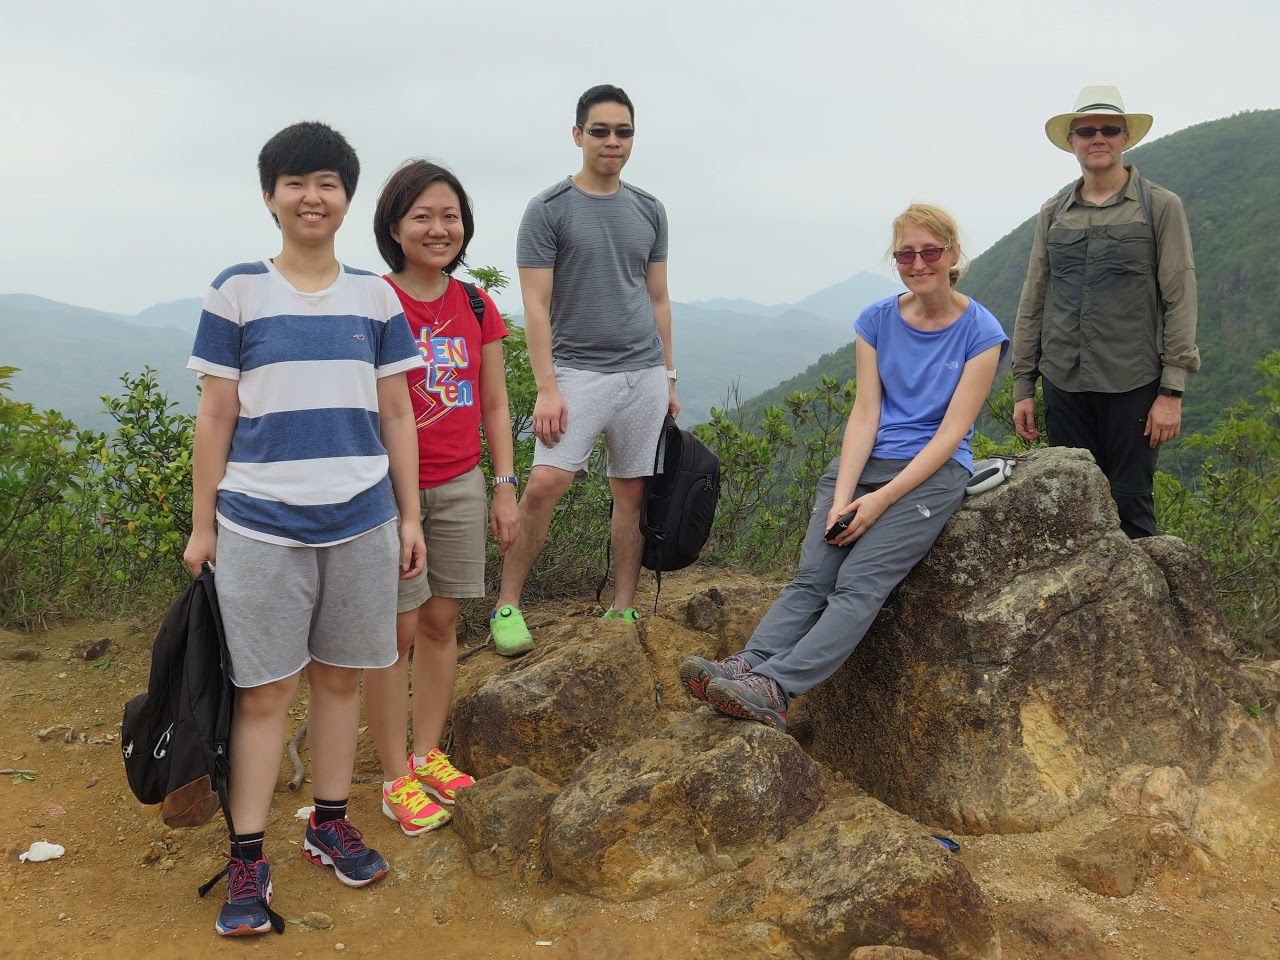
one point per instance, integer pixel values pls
(926, 362)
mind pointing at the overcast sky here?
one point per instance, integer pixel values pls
(782, 137)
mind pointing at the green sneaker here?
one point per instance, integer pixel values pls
(629, 615)
(510, 636)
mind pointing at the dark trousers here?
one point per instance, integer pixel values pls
(1110, 425)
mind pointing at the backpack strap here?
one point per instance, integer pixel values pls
(477, 301)
(1061, 205)
(1144, 199)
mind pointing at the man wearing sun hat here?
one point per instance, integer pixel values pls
(1108, 311)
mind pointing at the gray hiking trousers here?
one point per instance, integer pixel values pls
(823, 614)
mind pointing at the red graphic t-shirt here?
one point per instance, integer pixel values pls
(446, 392)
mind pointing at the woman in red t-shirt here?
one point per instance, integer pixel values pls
(423, 224)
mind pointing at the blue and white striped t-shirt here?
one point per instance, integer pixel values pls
(307, 466)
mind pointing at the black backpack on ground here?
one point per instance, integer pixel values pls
(175, 737)
(679, 502)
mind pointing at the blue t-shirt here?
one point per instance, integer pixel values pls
(919, 371)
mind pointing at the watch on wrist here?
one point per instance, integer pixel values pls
(511, 480)
(671, 375)
(1169, 392)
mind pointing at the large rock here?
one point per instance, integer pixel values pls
(1032, 654)
(502, 818)
(667, 811)
(586, 685)
(859, 874)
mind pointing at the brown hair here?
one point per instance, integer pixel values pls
(398, 193)
(938, 222)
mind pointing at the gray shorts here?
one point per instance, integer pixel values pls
(627, 407)
(284, 606)
(453, 523)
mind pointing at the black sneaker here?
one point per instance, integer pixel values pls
(750, 697)
(697, 672)
(248, 897)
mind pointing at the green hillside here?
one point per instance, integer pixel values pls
(1226, 174)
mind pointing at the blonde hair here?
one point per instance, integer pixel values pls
(938, 222)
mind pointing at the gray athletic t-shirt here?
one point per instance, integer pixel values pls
(601, 315)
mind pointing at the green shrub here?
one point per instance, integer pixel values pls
(46, 510)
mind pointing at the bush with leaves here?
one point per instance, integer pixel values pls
(144, 485)
(1232, 513)
(46, 510)
(769, 476)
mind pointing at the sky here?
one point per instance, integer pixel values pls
(782, 137)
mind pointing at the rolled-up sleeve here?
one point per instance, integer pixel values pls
(1176, 272)
(1027, 325)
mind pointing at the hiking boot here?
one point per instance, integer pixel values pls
(409, 806)
(339, 845)
(440, 777)
(510, 636)
(629, 615)
(752, 696)
(697, 672)
(248, 896)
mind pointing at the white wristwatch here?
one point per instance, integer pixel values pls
(671, 375)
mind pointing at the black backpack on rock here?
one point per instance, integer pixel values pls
(174, 737)
(679, 502)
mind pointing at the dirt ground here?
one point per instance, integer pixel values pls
(126, 887)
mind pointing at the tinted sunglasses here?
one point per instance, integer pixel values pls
(928, 255)
(1107, 131)
(622, 133)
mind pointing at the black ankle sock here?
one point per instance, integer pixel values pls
(248, 846)
(327, 810)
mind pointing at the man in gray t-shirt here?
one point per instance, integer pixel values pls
(592, 254)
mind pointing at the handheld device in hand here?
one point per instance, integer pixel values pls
(841, 525)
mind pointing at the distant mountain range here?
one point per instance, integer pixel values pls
(70, 356)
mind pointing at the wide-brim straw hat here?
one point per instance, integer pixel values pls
(1097, 101)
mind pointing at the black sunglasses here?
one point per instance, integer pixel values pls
(622, 133)
(1108, 131)
(928, 255)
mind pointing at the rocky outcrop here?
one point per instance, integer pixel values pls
(666, 811)
(1034, 659)
(861, 875)
(502, 819)
(586, 686)
(1032, 654)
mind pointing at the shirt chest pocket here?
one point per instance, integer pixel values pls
(1067, 252)
(1124, 248)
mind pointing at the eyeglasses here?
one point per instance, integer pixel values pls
(928, 255)
(622, 133)
(1108, 131)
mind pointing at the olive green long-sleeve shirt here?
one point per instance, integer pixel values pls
(1087, 319)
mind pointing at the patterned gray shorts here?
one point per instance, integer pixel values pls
(627, 408)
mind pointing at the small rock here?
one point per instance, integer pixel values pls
(339, 946)
(1275, 904)
(95, 649)
(317, 920)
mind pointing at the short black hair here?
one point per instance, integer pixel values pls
(603, 93)
(402, 188)
(305, 148)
